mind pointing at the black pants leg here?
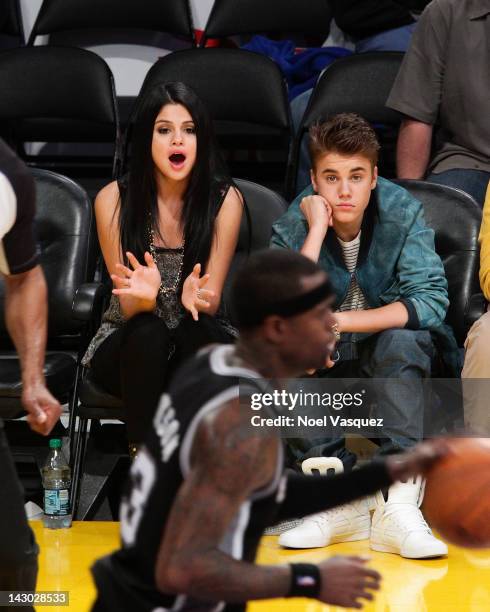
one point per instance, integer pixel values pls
(190, 336)
(133, 363)
(18, 548)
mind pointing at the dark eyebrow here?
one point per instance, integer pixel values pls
(171, 122)
(332, 171)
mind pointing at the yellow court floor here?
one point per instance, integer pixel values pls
(460, 583)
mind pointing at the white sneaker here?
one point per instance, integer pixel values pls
(399, 527)
(346, 523)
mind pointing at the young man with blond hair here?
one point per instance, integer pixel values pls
(370, 236)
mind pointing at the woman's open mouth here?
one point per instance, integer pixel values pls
(177, 160)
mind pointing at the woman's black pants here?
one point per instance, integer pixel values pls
(134, 362)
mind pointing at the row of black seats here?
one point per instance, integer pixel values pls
(227, 18)
(58, 94)
(65, 227)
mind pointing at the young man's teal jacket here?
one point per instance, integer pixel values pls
(397, 261)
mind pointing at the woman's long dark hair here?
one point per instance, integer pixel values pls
(202, 198)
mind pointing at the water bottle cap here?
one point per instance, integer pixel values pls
(55, 443)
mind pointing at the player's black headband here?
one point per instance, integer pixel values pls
(290, 307)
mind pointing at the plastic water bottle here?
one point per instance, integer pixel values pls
(56, 475)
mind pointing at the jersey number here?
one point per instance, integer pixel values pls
(142, 479)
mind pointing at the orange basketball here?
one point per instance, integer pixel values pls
(457, 494)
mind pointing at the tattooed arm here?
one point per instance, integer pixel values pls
(227, 465)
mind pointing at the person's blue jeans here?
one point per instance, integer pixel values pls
(402, 354)
(474, 182)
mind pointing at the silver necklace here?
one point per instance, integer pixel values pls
(165, 291)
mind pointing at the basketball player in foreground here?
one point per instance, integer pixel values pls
(204, 488)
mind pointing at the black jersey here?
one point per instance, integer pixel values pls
(126, 579)
(18, 249)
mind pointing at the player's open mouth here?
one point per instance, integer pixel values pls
(177, 160)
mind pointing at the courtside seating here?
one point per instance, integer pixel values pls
(60, 95)
(230, 17)
(64, 226)
(264, 207)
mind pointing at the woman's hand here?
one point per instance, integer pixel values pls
(194, 295)
(142, 282)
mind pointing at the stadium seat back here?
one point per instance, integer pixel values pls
(230, 17)
(244, 92)
(64, 227)
(356, 84)
(65, 232)
(11, 25)
(57, 94)
(455, 218)
(172, 16)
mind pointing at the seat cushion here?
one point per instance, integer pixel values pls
(59, 370)
(95, 402)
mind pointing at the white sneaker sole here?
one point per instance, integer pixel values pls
(338, 539)
(396, 551)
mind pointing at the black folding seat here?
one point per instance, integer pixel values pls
(247, 97)
(89, 23)
(60, 95)
(355, 84)
(64, 227)
(11, 26)
(230, 17)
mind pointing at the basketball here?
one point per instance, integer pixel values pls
(457, 494)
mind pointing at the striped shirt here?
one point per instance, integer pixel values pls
(354, 300)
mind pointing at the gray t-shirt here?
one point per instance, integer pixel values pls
(445, 79)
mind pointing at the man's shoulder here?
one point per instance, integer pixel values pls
(395, 203)
(291, 226)
(448, 9)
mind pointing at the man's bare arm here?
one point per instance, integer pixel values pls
(373, 320)
(227, 466)
(26, 319)
(413, 149)
(26, 315)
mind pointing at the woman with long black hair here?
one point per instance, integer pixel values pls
(168, 231)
